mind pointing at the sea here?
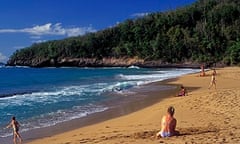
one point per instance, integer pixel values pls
(42, 97)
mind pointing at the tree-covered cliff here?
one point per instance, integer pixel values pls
(207, 31)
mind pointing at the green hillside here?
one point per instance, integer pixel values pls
(207, 31)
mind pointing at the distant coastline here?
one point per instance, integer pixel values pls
(105, 62)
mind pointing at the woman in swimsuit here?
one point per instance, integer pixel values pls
(168, 124)
(15, 125)
(202, 71)
(213, 80)
(183, 91)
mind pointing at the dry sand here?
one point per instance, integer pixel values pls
(204, 116)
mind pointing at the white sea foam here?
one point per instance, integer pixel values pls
(67, 93)
(53, 118)
(134, 67)
(156, 75)
(59, 116)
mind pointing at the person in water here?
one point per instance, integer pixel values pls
(168, 124)
(15, 125)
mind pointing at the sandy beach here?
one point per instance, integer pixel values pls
(203, 116)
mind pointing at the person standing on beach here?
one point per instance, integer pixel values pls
(168, 124)
(213, 80)
(15, 125)
(214, 71)
(202, 71)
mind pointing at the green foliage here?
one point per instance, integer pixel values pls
(234, 54)
(206, 31)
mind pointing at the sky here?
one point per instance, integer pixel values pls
(24, 22)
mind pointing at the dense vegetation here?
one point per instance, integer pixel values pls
(206, 31)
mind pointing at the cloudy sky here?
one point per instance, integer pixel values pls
(24, 22)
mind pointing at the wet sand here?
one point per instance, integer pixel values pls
(204, 116)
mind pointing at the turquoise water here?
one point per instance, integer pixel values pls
(45, 96)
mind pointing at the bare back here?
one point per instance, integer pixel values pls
(168, 124)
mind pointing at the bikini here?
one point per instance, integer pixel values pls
(165, 133)
(15, 127)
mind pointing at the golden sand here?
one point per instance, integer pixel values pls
(204, 116)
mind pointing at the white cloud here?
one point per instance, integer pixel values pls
(38, 41)
(51, 29)
(3, 58)
(18, 47)
(139, 14)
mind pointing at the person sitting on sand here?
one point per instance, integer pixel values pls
(183, 91)
(168, 124)
(15, 125)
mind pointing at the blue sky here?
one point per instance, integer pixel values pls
(24, 22)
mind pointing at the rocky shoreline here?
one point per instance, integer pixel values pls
(94, 62)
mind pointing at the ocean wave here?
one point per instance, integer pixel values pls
(81, 92)
(156, 75)
(120, 86)
(53, 118)
(134, 67)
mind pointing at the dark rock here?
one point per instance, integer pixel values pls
(94, 62)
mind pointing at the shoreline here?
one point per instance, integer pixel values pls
(97, 63)
(129, 104)
(204, 116)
